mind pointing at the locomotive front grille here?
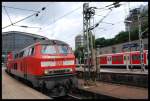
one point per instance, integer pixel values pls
(57, 71)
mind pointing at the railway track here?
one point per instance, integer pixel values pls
(75, 94)
(72, 96)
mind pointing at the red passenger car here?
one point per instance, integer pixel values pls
(123, 60)
(47, 64)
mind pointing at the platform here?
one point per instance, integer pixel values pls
(14, 89)
(116, 90)
(123, 71)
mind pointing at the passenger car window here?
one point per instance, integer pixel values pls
(48, 49)
(114, 59)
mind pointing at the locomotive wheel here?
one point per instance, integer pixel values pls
(43, 87)
(58, 90)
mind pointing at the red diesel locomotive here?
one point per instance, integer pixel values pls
(123, 60)
(47, 64)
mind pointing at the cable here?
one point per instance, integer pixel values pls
(26, 26)
(105, 16)
(19, 21)
(97, 24)
(21, 9)
(64, 16)
(107, 23)
(42, 13)
(8, 16)
(42, 16)
(24, 18)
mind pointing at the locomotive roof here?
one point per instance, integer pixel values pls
(52, 42)
(48, 42)
(119, 53)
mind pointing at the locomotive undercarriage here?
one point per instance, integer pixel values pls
(55, 86)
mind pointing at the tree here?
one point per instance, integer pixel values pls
(123, 36)
(79, 54)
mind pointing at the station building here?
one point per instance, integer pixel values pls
(123, 47)
(79, 41)
(15, 40)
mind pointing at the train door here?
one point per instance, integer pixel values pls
(146, 58)
(25, 70)
(109, 60)
(127, 60)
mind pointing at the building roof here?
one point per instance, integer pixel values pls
(79, 35)
(24, 33)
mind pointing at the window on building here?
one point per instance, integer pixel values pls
(113, 49)
(146, 46)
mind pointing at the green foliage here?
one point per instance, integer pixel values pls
(79, 53)
(123, 36)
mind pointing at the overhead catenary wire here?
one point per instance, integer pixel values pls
(26, 26)
(97, 24)
(8, 16)
(70, 12)
(24, 18)
(43, 13)
(20, 9)
(19, 21)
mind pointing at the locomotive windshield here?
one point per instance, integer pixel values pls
(48, 49)
(64, 49)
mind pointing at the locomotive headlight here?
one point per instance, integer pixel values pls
(70, 69)
(68, 62)
(46, 72)
(48, 63)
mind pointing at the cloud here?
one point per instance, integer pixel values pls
(68, 27)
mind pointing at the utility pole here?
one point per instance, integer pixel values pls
(88, 12)
(89, 52)
(86, 41)
(141, 44)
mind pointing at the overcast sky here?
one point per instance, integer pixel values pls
(66, 28)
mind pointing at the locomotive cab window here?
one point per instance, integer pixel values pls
(63, 49)
(21, 54)
(26, 52)
(48, 49)
(31, 51)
